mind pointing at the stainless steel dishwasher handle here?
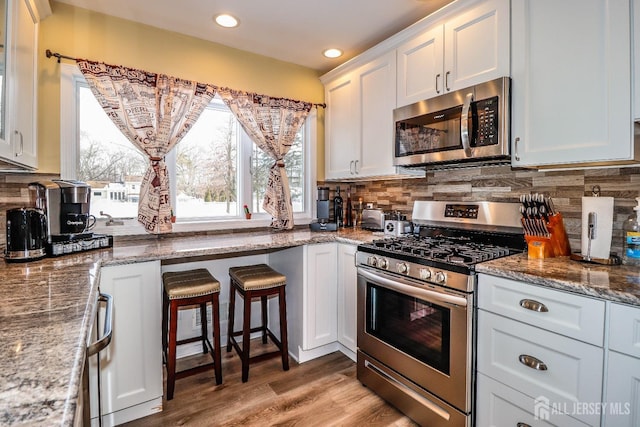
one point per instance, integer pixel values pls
(103, 342)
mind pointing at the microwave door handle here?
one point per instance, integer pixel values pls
(464, 124)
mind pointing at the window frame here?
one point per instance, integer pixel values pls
(71, 78)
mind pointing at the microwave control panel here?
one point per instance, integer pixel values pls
(487, 122)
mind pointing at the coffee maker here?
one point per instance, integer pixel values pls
(322, 212)
(66, 205)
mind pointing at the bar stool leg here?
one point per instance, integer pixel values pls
(171, 358)
(232, 311)
(216, 343)
(282, 306)
(263, 303)
(203, 326)
(246, 329)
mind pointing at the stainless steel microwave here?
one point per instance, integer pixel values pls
(467, 125)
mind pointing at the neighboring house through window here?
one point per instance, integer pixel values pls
(214, 170)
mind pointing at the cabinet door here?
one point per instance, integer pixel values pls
(131, 366)
(347, 282)
(420, 65)
(377, 90)
(636, 60)
(320, 316)
(624, 329)
(623, 391)
(476, 47)
(571, 82)
(342, 141)
(22, 84)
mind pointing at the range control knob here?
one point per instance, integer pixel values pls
(425, 273)
(372, 261)
(383, 263)
(440, 277)
(402, 268)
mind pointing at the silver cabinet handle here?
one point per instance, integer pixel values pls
(351, 167)
(532, 362)
(356, 166)
(21, 152)
(107, 333)
(437, 78)
(516, 155)
(464, 124)
(446, 80)
(533, 305)
(522, 425)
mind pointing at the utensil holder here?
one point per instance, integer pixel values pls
(555, 245)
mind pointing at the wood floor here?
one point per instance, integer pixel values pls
(322, 392)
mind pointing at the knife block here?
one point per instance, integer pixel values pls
(557, 244)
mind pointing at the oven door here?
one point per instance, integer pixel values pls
(423, 332)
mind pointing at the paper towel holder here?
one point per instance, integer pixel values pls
(613, 259)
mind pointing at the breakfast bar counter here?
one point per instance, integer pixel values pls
(47, 308)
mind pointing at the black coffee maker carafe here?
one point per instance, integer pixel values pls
(26, 234)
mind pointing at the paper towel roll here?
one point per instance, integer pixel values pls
(603, 208)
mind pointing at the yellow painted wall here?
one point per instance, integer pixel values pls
(81, 33)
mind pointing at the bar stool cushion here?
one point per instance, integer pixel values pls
(259, 276)
(189, 284)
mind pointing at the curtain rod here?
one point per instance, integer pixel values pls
(59, 57)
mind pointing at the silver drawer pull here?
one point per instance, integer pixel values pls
(533, 305)
(532, 362)
(522, 425)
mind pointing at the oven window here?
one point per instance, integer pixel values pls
(418, 328)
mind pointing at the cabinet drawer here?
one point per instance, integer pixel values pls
(568, 314)
(573, 374)
(624, 329)
(499, 405)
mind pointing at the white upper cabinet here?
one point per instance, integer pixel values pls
(571, 83)
(341, 130)
(18, 139)
(470, 47)
(636, 57)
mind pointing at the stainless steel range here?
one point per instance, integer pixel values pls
(416, 306)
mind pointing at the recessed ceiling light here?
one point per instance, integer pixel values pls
(226, 20)
(332, 53)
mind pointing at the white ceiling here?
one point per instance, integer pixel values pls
(290, 30)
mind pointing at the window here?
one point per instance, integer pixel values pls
(214, 171)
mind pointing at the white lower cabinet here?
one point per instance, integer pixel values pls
(533, 339)
(347, 283)
(312, 287)
(623, 376)
(131, 366)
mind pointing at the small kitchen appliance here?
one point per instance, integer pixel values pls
(416, 306)
(322, 212)
(26, 234)
(467, 125)
(66, 205)
(373, 219)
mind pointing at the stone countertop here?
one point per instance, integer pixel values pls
(47, 308)
(618, 283)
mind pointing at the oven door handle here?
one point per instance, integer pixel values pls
(402, 286)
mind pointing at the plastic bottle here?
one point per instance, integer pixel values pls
(631, 233)
(337, 208)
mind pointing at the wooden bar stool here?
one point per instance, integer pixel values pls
(184, 288)
(250, 282)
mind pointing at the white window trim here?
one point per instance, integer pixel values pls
(70, 76)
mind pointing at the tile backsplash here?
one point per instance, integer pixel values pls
(503, 184)
(495, 183)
